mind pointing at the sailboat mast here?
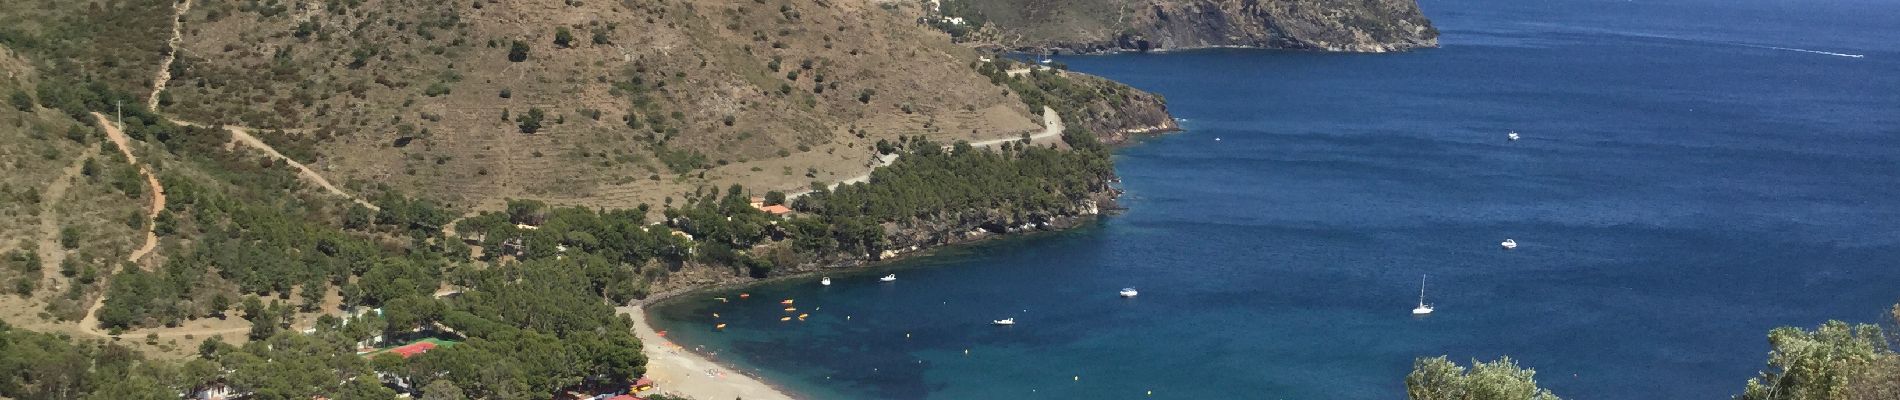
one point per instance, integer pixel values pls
(1421, 289)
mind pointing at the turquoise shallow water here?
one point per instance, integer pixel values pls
(1683, 187)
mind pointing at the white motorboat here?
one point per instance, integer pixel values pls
(826, 281)
(1423, 308)
(1005, 321)
(888, 278)
(1508, 244)
(1129, 292)
(1513, 136)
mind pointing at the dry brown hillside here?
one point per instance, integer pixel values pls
(426, 97)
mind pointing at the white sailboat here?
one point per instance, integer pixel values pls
(1508, 244)
(1423, 308)
(1005, 321)
(888, 278)
(1513, 136)
(1129, 292)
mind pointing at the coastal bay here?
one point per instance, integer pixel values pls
(1683, 186)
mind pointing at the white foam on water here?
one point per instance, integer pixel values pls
(1801, 50)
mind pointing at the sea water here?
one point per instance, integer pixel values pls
(1691, 175)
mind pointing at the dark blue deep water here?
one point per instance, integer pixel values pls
(1683, 187)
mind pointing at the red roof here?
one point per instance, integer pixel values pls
(413, 349)
(643, 381)
(776, 209)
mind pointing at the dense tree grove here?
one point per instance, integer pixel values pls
(44, 366)
(929, 181)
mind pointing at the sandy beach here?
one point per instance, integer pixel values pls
(680, 371)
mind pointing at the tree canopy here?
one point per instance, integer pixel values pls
(1438, 378)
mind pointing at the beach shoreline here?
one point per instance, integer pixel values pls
(681, 371)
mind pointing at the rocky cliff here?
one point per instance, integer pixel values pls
(1093, 26)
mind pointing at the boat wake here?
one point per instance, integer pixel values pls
(1700, 40)
(1800, 50)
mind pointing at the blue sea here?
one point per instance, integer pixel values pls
(1692, 174)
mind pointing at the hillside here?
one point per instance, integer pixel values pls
(1092, 26)
(636, 102)
(257, 189)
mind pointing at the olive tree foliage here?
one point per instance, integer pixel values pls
(1834, 361)
(1438, 378)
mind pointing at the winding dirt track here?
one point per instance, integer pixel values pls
(91, 322)
(164, 74)
(151, 182)
(241, 134)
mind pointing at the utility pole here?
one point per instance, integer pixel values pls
(118, 111)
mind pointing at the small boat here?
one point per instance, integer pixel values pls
(786, 302)
(1512, 136)
(791, 309)
(801, 317)
(720, 326)
(1129, 292)
(888, 278)
(1508, 244)
(1005, 321)
(783, 319)
(826, 281)
(745, 295)
(721, 299)
(1423, 308)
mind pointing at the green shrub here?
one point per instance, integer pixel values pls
(563, 37)
(530, 122)
(21, 100)
(518, 51)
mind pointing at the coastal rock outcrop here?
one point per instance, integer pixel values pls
(1122, 115)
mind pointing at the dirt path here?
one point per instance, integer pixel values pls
(164, 74)
(245, 137)
(151, 182)
(51, 253)
(1051, 128)
(91, 321)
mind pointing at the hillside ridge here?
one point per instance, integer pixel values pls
(1098, 26)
